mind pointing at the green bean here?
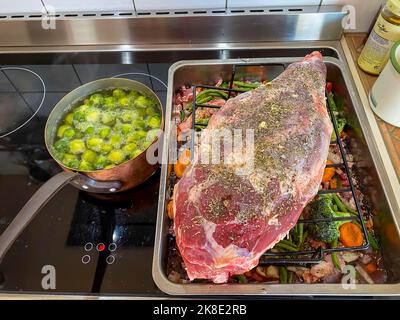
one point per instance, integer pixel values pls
(290, 277)
(285, 247)
(305, 235)
(203, 100)
(301, 230)
(246, 84)
(283, 276)
(335, 258)
(342, 206)
(209, 91)
(374, 244)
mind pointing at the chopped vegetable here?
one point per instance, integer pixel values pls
(341, 205)
(241, 278)
(372, 241)
(283, 276)
(351, 235)
(170, 209)
(328, 172)
(334, 256)
(364, 274)
(182, 163)
(320, 209)
(371, 267)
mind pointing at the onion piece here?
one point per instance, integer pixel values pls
(364, 274)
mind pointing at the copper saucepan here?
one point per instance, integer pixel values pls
(119, 178)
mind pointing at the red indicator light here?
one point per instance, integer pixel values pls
(101, 247)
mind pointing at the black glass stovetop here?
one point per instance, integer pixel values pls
(79, 243)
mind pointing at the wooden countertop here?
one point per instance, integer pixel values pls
(390, 134)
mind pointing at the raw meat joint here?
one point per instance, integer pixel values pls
(223, 221)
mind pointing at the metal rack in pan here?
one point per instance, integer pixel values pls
(310, 256)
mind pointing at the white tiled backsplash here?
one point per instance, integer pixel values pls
(89, 5)
(365, 10)
(20, 7)
(143, 5)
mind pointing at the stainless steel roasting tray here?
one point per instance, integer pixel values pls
(371, 174)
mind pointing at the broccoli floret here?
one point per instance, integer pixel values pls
(322, 208)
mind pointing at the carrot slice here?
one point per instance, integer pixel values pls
(182, 163)
(350, 235)
(333, 183)
(328, 172)
(371, 267)
(170, 210)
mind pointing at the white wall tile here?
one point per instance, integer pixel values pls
(21, 7)
(147, 5)
(270, 3)
(89, 5)
(366, 11)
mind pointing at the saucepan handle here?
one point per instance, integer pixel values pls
(32, 207)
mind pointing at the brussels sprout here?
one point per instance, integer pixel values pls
(109, 166)
(139, 123)
(82, 107)
(123, 102)
(93, 115)
(96, 99)
(129, 148)
(89, 156)
(154, 122)
(94, 143)
(126, 128)
(69, 118)
(136, 135)
(152, 134)
(143, 102)
(61, 130)
(77, 146)
(61, 145)
(69, 133)
(135, 153)
(151, 111)
(118, 93)
(116, 140)
(87, 102)
(108, 118)
(105, 148)
(83, 126)
(128, 115)
(109, 103)
(145, 144)
(116, 156)
(133, 95)
(85, 166)
(89, 130)
(79, 116)
(71, 161)
(100, 162)
(104, 132)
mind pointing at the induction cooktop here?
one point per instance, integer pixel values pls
(79, 243)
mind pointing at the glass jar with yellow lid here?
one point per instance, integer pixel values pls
(386, 32)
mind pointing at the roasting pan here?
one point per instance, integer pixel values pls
(370, 173)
